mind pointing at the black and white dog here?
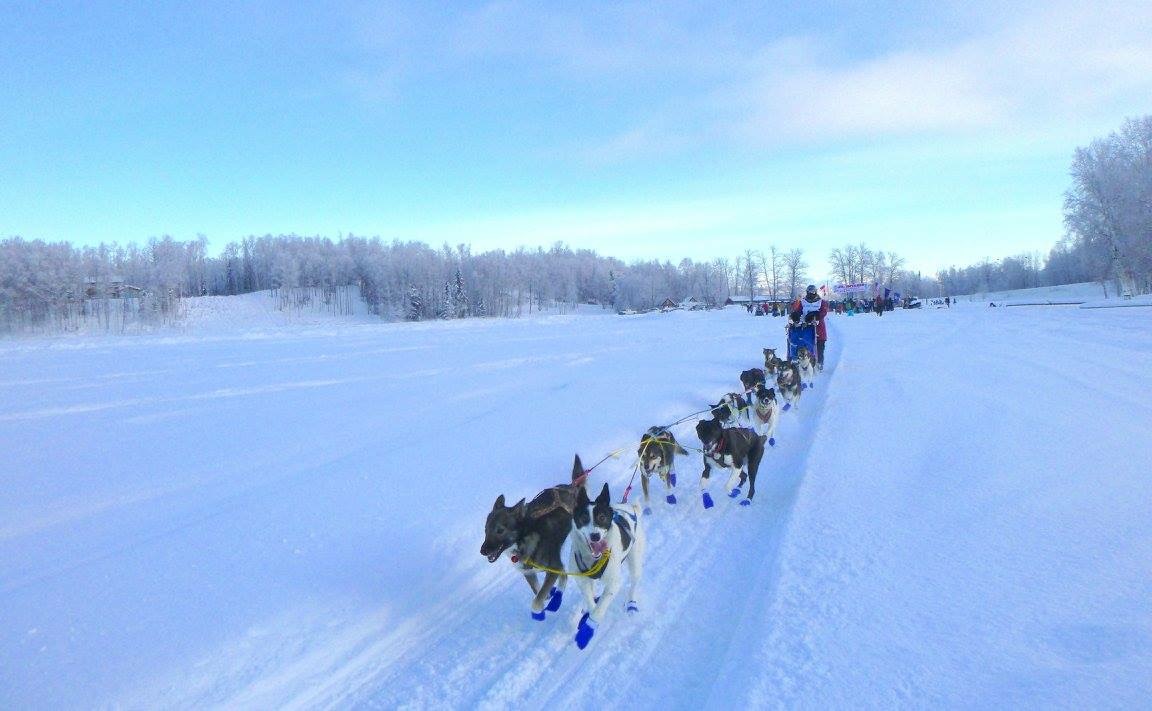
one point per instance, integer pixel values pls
(533, 535)
(657, 455)
(765, 413)
(789, 384)
(731, 411)
(737, 449)
(603, 537)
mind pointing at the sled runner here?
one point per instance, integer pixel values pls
(804, 336)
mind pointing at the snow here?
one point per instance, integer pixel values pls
(1143, 300)
(289, 515)
(1042, 295)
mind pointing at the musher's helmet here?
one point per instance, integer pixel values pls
(811, 289)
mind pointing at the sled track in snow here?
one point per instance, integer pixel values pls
(709, 580)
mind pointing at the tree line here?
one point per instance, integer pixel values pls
(59, 286)
(1107, 215)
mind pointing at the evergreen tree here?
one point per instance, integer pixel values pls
(414, 305)
(447, 304)
(459, 298)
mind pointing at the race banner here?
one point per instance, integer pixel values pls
(847, 289)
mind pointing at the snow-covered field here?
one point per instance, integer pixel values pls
(957, 516)
(1064, 293)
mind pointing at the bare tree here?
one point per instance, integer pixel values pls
(772, 265)
(749, 271)
(795, 271)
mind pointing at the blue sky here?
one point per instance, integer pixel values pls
(939, 130)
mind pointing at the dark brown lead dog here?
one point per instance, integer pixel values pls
(534, 534)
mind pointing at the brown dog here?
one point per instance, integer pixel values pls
(534, 534)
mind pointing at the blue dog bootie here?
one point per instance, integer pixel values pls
(538, 616)
(787, 407)
(771, 441)
(734, 493)
(554, 599)
(708, 500)
(633, 607)
(584, 631)
(746, 502)
(647, 510)
(672, 479)
(670, 498)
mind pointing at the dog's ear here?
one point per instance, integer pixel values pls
(499, 502)
(581, 498)
(604, 497)
(578, 473)
(518, 509)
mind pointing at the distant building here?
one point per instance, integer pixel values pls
(755, 300)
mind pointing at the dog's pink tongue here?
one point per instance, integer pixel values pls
(598, 547)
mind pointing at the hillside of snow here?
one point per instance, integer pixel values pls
(1064, 293)
(289, 515)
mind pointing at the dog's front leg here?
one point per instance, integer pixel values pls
(705, 476)
(530, 576)
(636, 569)
(591, 620)
(612, 580)
(586, 627)
(542, 596)
(588, 590)
(735, 481)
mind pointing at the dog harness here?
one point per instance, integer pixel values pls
(593, 572)
(596, 569)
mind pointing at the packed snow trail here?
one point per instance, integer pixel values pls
(707, 577)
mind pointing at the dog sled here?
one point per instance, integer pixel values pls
(802, 335)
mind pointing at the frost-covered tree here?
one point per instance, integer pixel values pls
(795, 272)
(413, 305)
(459, 296)
(447, 308)
(1108, 208)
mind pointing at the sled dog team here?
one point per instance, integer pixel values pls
(604, 537)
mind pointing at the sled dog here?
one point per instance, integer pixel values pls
(533, 535)
(807, 365)
(731, 410)
(750, 379)
(788, 383)
(603, 537)
(737, 449)
(657, 454)
(771, 362)
(765, 413)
